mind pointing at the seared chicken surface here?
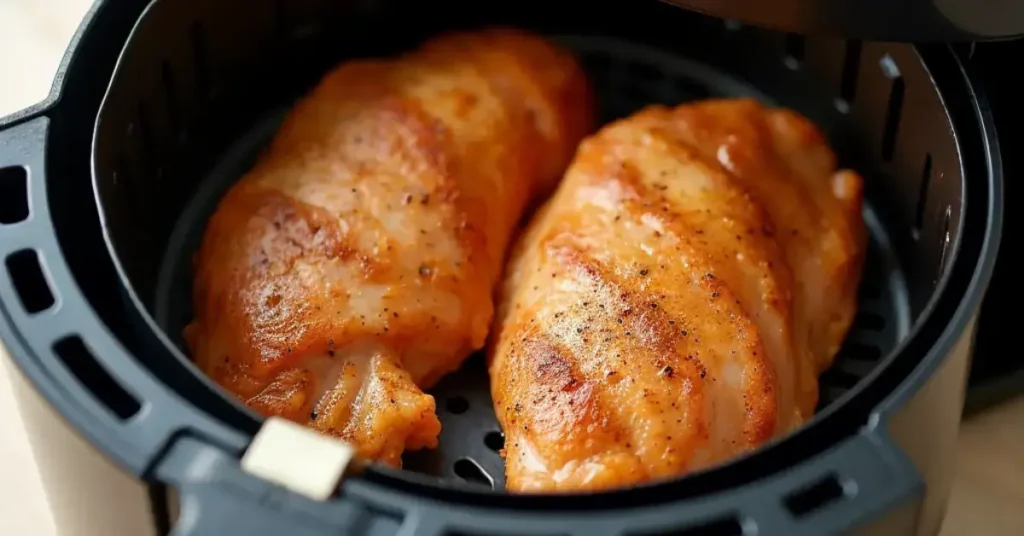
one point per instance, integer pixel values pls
(673, 304)
(354, 265)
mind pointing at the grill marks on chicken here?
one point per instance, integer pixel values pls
(672, 305)
(353, 266)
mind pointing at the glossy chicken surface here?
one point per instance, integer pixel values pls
(673, 304)
(355, 264)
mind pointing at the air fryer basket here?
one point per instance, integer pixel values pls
(200, 86)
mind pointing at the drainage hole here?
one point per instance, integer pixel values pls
(495, 441)
(457, 405)
(13, 195)
(26, 270)
(469, 471)
(815, 497)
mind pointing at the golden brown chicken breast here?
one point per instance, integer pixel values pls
(354, 265)
(672, 305)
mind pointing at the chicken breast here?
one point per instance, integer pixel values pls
(672, 305)
(354, 265)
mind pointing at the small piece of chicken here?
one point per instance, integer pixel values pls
(672, 305)
(355, 264)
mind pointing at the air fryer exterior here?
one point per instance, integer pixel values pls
(93, 487)
(88, 494)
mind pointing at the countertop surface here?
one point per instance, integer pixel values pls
(988, 497)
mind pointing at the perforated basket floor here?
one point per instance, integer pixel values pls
(627, 77)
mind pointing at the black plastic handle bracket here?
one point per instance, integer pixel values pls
(217, 497)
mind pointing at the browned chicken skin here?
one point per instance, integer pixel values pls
(354, 265)
(672, 305)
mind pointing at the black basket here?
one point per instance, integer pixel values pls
(199, 88)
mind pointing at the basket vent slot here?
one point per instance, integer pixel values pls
(81, 362)
(894, 109)
(470, 471)
(13, 195)
(851, 68)
(726, 526)
(30, 283)
(816, 496)
(495, 441)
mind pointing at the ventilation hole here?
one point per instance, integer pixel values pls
(13, 195)
(869, 321)
(815, 497)
(729, 526)
(851, 68)
(893, 111)
(457, 405)
(30, 283)
(794, 51)
(171, 99)
(943, 257)
(201, 61)
(922, 196)
(471, 472)
(81, 362)
(860, 351)
(495, 441)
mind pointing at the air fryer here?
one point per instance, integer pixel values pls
(159, 107)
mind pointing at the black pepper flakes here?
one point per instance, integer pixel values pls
(667, 372)
(425, 271)
(313, 415)
(644, 271)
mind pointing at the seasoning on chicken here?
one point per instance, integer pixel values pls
(672, 306)
(354, 265)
